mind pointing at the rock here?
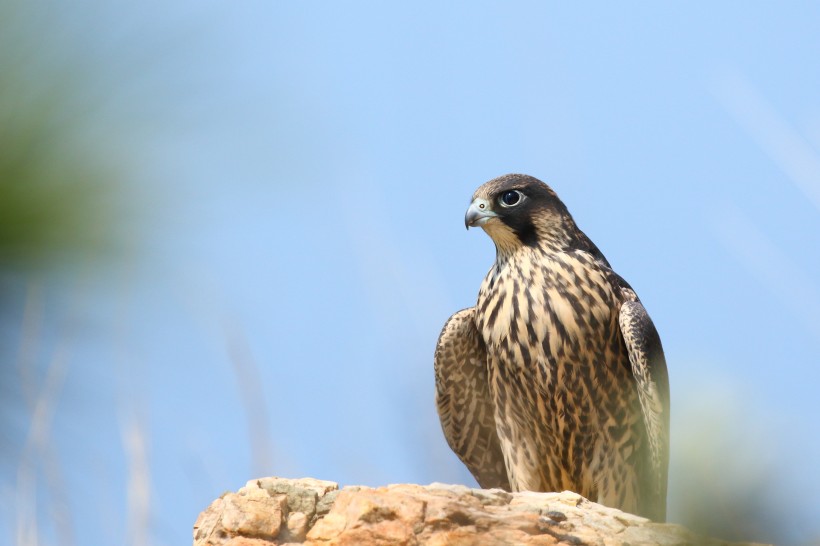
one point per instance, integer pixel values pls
(265, 511)
(297, 526)
(246, 516)
(312, 512)
(303, 494)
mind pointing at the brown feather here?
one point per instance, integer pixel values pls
(574, 370)
(463, 400)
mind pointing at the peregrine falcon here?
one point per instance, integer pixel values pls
(556, 379)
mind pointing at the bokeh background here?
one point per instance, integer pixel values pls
(231, 232)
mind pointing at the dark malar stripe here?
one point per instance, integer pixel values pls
(523, 228)
(528, 236)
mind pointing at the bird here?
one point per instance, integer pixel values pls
(556, 379)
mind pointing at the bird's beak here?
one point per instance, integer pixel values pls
(479, 213)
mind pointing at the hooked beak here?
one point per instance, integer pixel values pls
(478, 214)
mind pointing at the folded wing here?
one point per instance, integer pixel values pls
(465, 406)
(649, 369)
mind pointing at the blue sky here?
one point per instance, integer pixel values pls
(300, 173)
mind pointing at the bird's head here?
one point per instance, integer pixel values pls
(518, 210)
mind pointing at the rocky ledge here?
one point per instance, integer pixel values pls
(306, 511)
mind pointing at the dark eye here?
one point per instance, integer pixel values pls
(510, 198)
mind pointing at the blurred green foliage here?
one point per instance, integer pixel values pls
(57, 194)
(54, 204)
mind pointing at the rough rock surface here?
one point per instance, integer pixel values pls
(314, 512)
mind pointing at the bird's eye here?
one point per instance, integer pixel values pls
(510, 198)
